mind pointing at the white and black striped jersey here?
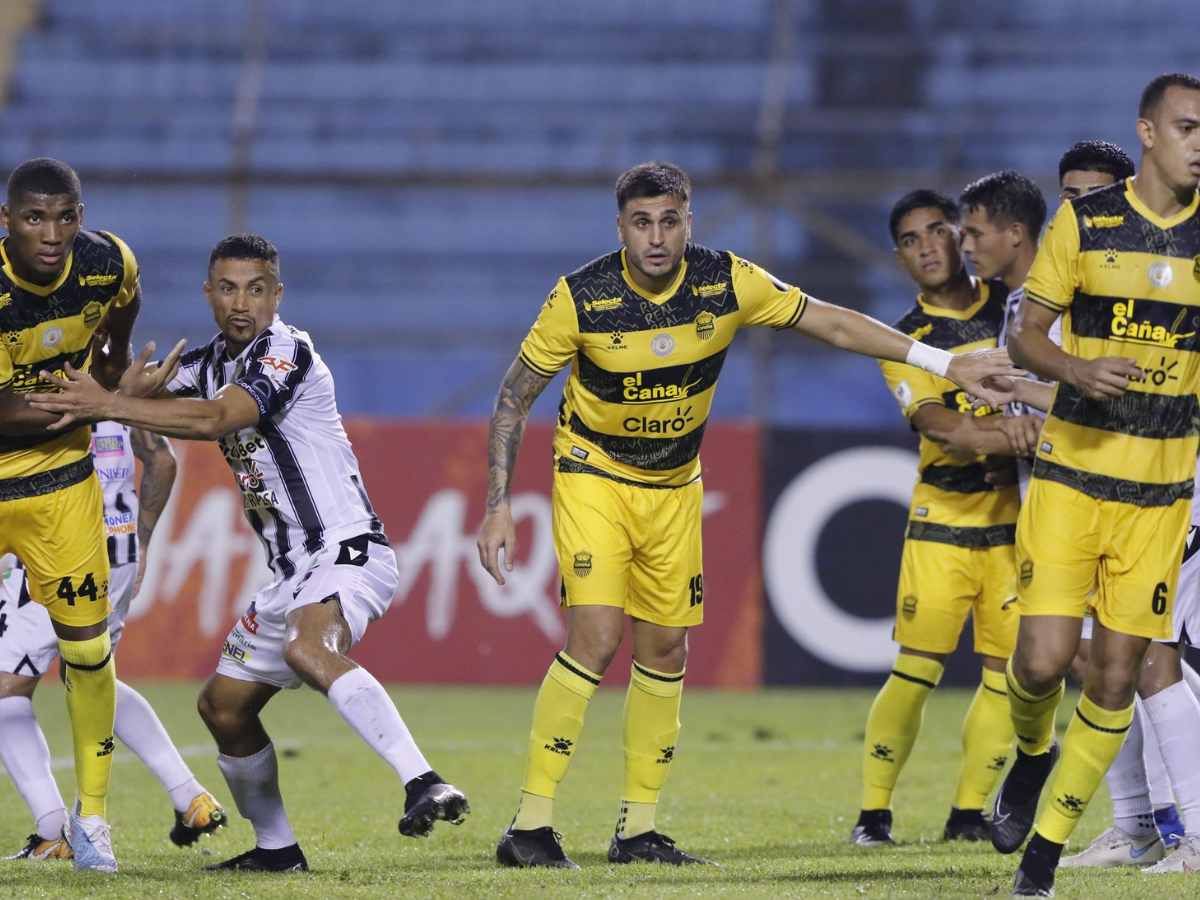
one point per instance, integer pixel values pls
(298, 478)
(113, 458)
(1055, 334)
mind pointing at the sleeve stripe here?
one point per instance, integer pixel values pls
(1042, 301)
(923, 402)
(801, 306)
(536, 368)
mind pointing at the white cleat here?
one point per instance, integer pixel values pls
(1117, 848)
(92, 842)
(1186, 857)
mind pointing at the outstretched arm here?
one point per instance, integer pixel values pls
(849, 330)
(521, 386)
(158, 476)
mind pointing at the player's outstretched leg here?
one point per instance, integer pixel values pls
(230, 709)
(987, 743)
(1174, 716)
(26, 757)
(138, 727)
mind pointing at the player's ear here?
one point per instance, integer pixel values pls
(79, 213)
(208, 293)
(688, 236)
(620, 228)
(4, 217)
(278, 293)
(899, 258)
(1145, 133)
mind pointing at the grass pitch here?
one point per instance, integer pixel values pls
(765, 783)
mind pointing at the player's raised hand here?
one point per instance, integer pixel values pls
(495, 534)
(144, 378)
(970, 371)
(79, 397)
(1104, 378)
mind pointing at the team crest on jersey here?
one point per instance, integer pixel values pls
(662, 345)
(583, 564)
(1161, 274)
(276, 369)
(909, 606)
(706, 322)
(91, 314)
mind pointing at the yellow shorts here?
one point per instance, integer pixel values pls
(59, 536)
(941, 583)
(1069, 543)
(634, 547)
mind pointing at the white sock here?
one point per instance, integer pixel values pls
(26, 756)
(254, 785)
(1191, 677)
(364, 703)
(1174, 715)
(1127, 784)
(138, 728)
(1156, 772)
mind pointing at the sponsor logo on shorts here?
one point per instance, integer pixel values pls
(241, 639)
(908, 606)
(583, 564)
(250, 619)
(1026, 573)
(238, 654)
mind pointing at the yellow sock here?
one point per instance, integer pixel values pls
(987, 741)
(91, 681)
(557, 724)
(1093, 740)
(1032, 717)
(650, 732)
(893, 725)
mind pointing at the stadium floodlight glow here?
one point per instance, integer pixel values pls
(798, 598)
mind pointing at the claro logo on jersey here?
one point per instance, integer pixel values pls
(673, 425)
(637, 390)
(1126, 326)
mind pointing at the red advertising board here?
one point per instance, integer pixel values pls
(449, 623)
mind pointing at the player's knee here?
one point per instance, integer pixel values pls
(1038, 674)
(305, 657)
(221, 721)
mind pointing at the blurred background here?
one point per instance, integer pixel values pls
(428, 169)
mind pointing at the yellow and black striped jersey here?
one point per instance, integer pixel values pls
(47, 326)
(952, 503)
(644, 366)
(1128, 284)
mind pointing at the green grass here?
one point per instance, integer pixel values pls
(766, 783)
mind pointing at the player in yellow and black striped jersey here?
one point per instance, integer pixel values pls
(645, 331)
(958, 550)
(58, 284)
(1108, 506)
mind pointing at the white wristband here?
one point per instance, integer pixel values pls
(931, 359)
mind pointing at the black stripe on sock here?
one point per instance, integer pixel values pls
(561, 660)
(1091, 724)
(914, 679)
(656, 676)
(104, 662)
(988, 687)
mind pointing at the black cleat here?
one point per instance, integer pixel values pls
(526, 848)
(204, 816)
(651, 847)
(429, 799)
(874, 829)
(1016, 804)
(39, 848)
(285, 859)
(966, 825)
(1035, 877)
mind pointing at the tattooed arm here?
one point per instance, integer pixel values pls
(521, 386)
(154, 452)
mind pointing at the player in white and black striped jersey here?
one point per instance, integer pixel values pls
(261, 390)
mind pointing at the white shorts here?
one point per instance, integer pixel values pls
(359, 574)
(28, 644)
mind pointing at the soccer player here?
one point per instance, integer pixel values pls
(1112, 484)
(28, 647)
(57, 284)
(645, 330)
(958, 552)
(261, 391)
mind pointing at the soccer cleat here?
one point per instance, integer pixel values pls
(1016, 804)
(1170, 826)
(204, 816)
(874, 829)
(651, 847)
(39, 848)
(1117, 848)
(1186, 858)
(428, 799)
(526, 848)
(91, 842)
(1035, 877)
(966, 825)
(285, 859)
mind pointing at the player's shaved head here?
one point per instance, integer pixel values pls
(653, 179)
(922, 199)
(1153, 93)
(43, 176)
(246, 246)
(1096, 156)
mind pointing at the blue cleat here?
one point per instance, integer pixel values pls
(1170, 826)
(91, 842)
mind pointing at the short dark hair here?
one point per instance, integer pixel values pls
(1007, 196)
(1096, 156)
(1153, 93)
(245, 246)
(653, 179)
(43, 176)
(922, 199)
